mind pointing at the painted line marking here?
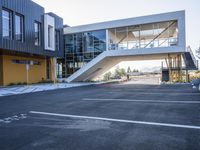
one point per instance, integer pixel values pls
(118, 120)
(146, 101)
(155, 93)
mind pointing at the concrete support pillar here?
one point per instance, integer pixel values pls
(180, 75)
(53, 69)
(170, 67)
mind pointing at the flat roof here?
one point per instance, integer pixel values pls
(127, 22)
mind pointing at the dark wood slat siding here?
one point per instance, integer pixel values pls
(32, 12)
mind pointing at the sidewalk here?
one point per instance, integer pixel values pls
(5, 91)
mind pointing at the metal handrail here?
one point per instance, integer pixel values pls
(192, 55)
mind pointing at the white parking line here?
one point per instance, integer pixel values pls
(155, 93)
(118, 120)
(146, 101)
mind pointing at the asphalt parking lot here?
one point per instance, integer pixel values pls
(102, 117)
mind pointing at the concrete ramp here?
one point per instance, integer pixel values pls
(109, 59)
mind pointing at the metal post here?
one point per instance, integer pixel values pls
(170, 71)
(181, 75)
(179, 78)
(187, 77)
(27, 73)
(107, 40)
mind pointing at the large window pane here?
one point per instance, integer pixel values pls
(69, 43)
(19, 27)
(112, 39)
(153, 35)
(88, 42)
(50, 37)
(121, 38)
(134, 37)
(79, 43)
(99, 40)
(7, 24)
(83, 47)
(37, 28)
(99, 35)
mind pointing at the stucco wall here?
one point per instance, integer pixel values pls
(16, 73)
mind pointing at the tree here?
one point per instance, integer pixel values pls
(120, 72)
(135, 70)
(128, 70)
(107, 76)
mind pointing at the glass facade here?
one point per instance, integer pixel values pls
(162, 34)
(80, 48)
(7, 24)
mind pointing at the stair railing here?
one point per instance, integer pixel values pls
(193, 57)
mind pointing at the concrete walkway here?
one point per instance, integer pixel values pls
(151, 80)
(5, 91)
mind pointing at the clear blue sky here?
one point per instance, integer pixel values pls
(79, 12)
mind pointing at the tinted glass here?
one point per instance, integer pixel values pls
(37, 28)
(6, 23)
(17, 27)
(80, 48)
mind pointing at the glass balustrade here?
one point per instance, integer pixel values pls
(154, 35)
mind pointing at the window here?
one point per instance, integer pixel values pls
(7, 24)
(50, 38)
(30, 62)
(80, 48)
(152, 35)
(57, 40)
(37, 28)
(19, 27)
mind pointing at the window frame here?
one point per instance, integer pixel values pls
(50, 38)
(21, 18)
(10, 28)
(39, 34)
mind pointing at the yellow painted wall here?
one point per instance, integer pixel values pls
(16, 73)
(1, 70)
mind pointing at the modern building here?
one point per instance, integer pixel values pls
(34, 45)
(30, 42)
(91, 50)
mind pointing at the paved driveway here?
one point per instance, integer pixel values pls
(102, 117)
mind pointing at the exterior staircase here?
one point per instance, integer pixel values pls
(190, 61)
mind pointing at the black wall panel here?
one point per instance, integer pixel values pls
(32, 12)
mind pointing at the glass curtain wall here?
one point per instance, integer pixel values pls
(162, 34)
(81, 48)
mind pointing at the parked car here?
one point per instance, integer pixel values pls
(196, 83)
